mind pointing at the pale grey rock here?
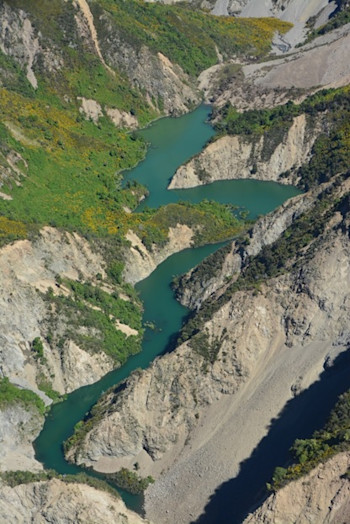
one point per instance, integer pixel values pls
(58, 502)
(236, 157)
(19, 426)
(322, 496)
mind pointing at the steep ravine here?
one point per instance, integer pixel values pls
(270, 343)
(38, 348)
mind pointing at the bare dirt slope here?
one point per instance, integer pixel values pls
(323, 63)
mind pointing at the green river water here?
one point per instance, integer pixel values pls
(172, 142)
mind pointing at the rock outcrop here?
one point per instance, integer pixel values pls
(57, 502)
(140, 262)
(238, 157)
(322, 496)
(162, 80)
(233, 377)
(20, 40)
(204, 280)
(19, 426)
(28, 270)
(13, 168)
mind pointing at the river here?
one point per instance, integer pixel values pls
(172, 142)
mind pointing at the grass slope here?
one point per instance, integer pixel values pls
(70, 165)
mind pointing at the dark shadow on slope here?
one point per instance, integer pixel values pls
(301, 416)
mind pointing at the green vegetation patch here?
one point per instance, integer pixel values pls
(186, 36)
(11, 230)
(11, 394)
(130, 481)
(72, 178)
(211, 222)
(209, 349)
(45, 385)
(91, 316)
(333, 438)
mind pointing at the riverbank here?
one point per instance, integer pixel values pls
(159, 308)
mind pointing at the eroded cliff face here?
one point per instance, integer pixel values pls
(140, 262)
(234, 376)
(57, 501)
(163, 81)
(322, 496)
(28, 270)
(19, 426)
(237, 157)
(204, 280)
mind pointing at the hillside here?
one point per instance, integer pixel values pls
(69, 100)
(269, 311)
(266, 309)
(182, 410)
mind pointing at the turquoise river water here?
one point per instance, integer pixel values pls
(172, 142)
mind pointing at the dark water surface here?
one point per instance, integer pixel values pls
(172, 141)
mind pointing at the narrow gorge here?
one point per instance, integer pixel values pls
(174, 291)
